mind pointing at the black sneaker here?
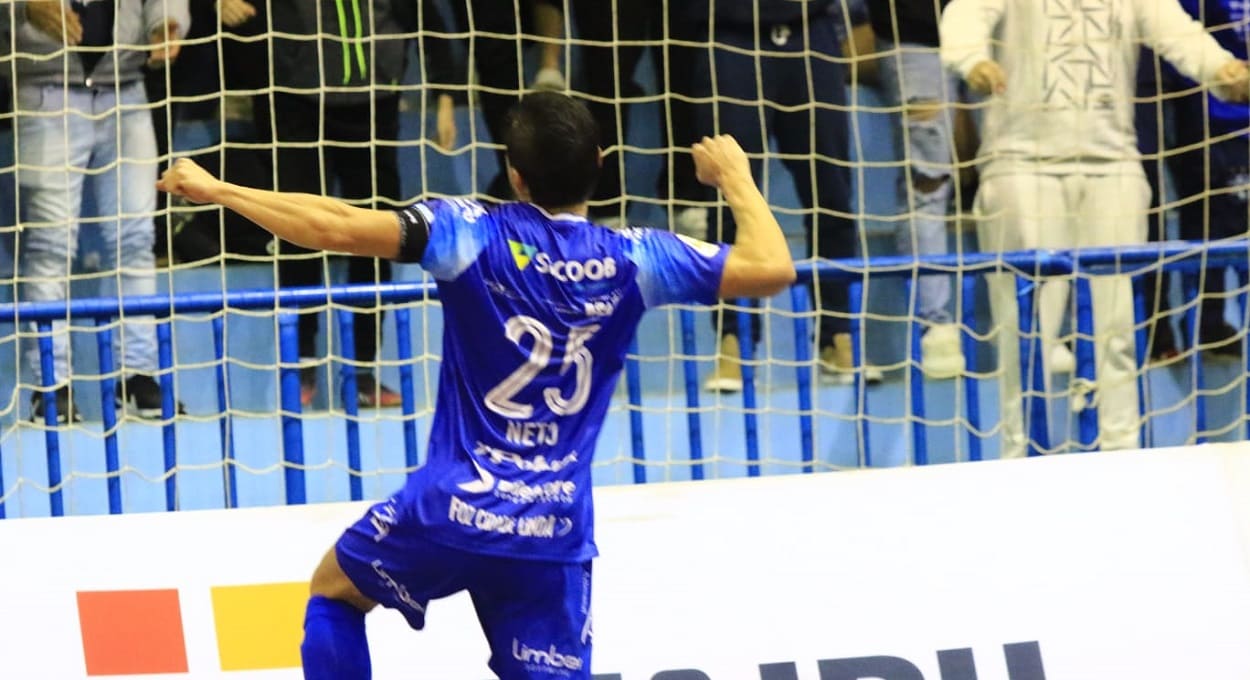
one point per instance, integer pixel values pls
(140, 395)
(66, 410)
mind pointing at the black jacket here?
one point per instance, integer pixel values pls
(356, 43)
(917, 20)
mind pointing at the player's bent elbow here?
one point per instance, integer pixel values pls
(757, 282)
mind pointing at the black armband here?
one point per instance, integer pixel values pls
(414, 234)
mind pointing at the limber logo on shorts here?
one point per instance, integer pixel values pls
(401, 591)
(533, 526)
(550, 660)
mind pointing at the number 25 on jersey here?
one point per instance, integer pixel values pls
(500, 398)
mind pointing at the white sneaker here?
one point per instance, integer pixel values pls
(548, 80)
(837, 366)
(1061, 359)
(691, 223)
(727, 376)
(941, 352)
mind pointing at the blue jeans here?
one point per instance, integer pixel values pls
(909, 74)
(62, 134)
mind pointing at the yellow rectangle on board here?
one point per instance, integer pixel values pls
(259, 626)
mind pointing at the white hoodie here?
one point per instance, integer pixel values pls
(1071, 68)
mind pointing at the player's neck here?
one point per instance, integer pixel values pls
(579, 209)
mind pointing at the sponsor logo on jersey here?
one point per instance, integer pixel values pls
(518, 491)
(529, 526)
(564, 271)
(537, 463)
(522, 253)
(550, 660)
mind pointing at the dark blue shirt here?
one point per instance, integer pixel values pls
(744, 12)
(96, 17)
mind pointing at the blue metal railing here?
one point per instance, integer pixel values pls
(1185, 258)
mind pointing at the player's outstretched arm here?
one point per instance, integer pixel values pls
(759, 263)
(315, 222)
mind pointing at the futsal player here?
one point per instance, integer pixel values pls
(539, 306)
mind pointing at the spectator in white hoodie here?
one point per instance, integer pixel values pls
(1060, 166)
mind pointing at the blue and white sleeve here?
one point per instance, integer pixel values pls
(453, 235)
(674, 268)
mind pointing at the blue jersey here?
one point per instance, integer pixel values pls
(538, 311)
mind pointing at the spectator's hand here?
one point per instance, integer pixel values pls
(987, 78)
(446, 123)
(1232, 81)
(235, 12)
(165, 46)
(186, 179)
(56, 20)
(719, 158)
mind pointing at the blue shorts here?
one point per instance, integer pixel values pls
(536, 615)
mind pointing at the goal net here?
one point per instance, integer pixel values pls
(885, 353)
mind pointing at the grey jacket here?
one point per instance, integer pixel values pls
(35, 52)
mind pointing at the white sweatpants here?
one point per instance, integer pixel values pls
(1024, 210)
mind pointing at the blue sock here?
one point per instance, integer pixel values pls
(335, 646)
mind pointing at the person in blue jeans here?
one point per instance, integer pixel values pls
(777, 73)
(1210, 179)
(81, 109)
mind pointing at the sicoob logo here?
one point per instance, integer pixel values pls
(570, 271)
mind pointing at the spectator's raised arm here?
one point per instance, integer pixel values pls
(1182, 40)
(967, 31)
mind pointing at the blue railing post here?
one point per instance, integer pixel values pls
(972, 388)
(1193, 321)
(169, 435)
(1243, 301)
(855, 293)
(750, 418)
(52, 438)
(1085, 364)
(1141, 345)
(408, 407)
(3, 490)
(351, 401)
(803, 374)
(633, 387)
(108, 413)
(292, 427)
(915, 373)
(690, 372)
(225, 421)
(1032, 379)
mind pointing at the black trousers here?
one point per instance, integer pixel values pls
(498, 69)
(604, 64)
(1203, 215)
(806, 79)
(353, 153)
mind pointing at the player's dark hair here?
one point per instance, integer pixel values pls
(552, 140)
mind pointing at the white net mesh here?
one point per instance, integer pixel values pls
(864, 144)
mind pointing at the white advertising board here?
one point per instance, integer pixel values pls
(1121, 565)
